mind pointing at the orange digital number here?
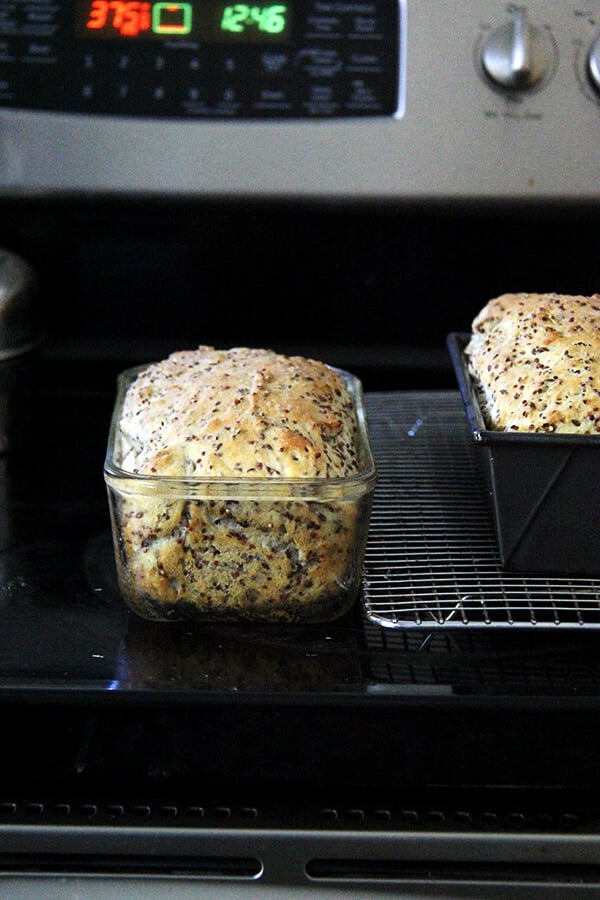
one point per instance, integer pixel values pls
(128, 17)
(98, 14)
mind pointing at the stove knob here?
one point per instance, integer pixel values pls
(594, 64)
(518, 56)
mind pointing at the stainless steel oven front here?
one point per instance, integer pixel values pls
(349, 99)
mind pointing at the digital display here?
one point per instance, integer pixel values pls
(211, 20)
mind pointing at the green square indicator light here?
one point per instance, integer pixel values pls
(172, 18)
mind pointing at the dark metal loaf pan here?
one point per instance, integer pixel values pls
(544, 489)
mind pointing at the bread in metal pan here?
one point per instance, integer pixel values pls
(535, 363)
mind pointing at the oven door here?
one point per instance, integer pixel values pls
(438, 738)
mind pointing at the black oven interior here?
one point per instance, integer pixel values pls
(351, 733)
(375, 287)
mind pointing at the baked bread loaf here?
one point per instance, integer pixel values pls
(535, 363)
(239, 412)
(215, 421)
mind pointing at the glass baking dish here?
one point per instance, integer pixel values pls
(218, 549)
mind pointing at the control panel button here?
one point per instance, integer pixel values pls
(518, 56)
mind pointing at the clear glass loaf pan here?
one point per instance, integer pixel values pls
(544, 488)
(244, 549)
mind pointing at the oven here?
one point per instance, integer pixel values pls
(350, 180)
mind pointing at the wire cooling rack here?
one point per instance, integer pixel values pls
(432, 558)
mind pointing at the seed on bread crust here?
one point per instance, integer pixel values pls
(535, 362)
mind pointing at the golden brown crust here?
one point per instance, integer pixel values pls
(535, 360)
(239, 412)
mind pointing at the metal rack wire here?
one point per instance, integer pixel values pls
(432, 558)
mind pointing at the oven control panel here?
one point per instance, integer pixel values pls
(202, 58)
(387, 100)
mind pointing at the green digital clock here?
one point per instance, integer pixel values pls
(267, 19)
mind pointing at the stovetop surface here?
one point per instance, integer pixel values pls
(65, 630)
